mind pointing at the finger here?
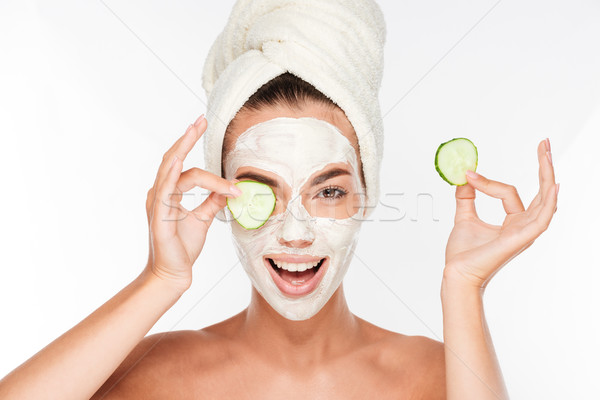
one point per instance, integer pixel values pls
(546, 169)
(165, 207)
(150, 202)
(548, 208)
(152, 192)
(181, 148)
(510, 197)
(465, 202)
(537, 200)
(545, 173)
(188, 140)
(209, 208)
(546, 211)
(167, 159)
(198, 177)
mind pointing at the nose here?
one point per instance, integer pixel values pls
(296, 228)
(298, 244)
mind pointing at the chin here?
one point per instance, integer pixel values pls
(296, 307)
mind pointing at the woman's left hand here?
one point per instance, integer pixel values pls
(477, 250)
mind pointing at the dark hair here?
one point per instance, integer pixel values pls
(286, 90)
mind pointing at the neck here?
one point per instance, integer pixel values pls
(328, 334)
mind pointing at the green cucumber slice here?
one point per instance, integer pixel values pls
(254, 206)
(453, 158)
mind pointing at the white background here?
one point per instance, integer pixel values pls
(87, 110)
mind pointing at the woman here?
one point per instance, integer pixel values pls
(297, 338)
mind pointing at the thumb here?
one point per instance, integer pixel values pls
(465, 202)
(209, 208)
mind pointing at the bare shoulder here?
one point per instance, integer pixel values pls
(415, 362)
(164, 365)
(426, 361)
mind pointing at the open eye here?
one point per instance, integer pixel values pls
(332, 193)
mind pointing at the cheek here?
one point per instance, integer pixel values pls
(341, 206)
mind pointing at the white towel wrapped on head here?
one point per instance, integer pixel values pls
(335, 45)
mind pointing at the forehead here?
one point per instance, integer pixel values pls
(336, 117)
(295, 137)
(293, 148)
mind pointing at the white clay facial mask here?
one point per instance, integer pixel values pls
(296, 260)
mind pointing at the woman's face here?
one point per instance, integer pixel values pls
(299, 257)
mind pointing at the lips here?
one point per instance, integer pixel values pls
(295, 275)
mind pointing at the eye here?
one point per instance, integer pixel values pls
(332, 193)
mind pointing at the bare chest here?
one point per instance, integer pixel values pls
(239, 372)
(352, 380)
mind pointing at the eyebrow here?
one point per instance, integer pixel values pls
(259, 178)
(325, 176)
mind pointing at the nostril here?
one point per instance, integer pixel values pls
(296, 238)
(297, 243)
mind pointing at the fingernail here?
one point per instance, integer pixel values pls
(549, 155)
(200, 118)
(557, 187)
(235, 190)
(548, 144)
(472, 174)
(173, 162)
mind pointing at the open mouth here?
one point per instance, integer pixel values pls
(296, 278)
(296, 273)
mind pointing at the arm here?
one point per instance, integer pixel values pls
(76, 364)
(476, 251)
(471, 364)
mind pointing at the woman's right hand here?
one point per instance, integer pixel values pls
(176, 234)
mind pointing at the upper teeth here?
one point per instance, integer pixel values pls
(296, 266)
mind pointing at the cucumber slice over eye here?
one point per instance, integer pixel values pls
(254, 206)
(453, 158)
